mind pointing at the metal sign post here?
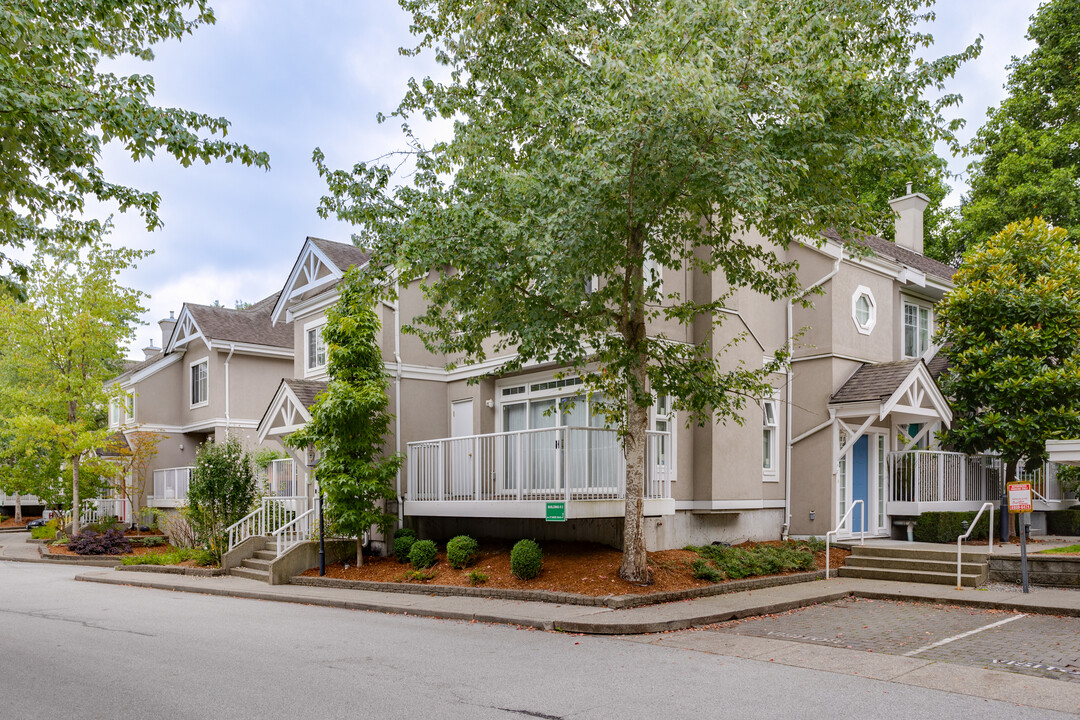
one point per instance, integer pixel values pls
(1019, 504)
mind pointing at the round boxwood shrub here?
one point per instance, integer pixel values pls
(461, 551)
(526, 559)
(423, 554)
(402, 546)
(404, 531)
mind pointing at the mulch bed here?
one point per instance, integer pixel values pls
(580, 568)
(10, 522)
(63, 550)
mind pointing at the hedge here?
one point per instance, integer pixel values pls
(945, 527)
(1063, 522)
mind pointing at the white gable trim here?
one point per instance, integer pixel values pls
(185, 331)
(915, 393)
(307, 275)
(285, 415)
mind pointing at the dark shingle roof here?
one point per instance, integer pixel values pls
(115, 445)
(250, 325)
(874, 382)
(305, 390)
(343, 255)
(892, 251)
(938, 365)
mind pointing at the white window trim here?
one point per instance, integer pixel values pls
(114, 413)
(129, 406)
(192, 364)
(772, 474)
(906, 300)
(310, 371)
(860, 292)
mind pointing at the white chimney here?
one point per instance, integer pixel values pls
(909, 219)
(166, 326)
(150, 351)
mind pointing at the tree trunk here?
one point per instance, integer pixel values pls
(75, 495)
(134, 511)
(635, 567)
(360, 550)
(18, 508)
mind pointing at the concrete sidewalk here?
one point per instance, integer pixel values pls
(599, 620)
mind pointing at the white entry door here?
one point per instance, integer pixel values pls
(460, 468)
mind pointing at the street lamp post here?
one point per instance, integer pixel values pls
(313, 460)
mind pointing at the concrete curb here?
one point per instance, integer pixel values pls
(175, 570)
(615, 602)
(89, 561)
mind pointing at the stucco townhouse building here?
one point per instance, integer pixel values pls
(852, 418)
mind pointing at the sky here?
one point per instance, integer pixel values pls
(293, 76)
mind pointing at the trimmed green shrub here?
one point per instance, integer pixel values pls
(704, 571)
(404, 531)
(1063, 522)
(423, 554)
(461, 551)
(526, 559)
(402, 546)
(945, 527)
(736, 563)
(46, 531)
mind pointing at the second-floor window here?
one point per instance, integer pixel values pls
(199, 385)
(768, 437)
(917, 329)
(316, 348)
(114, 413)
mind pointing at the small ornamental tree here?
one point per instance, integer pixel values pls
(1010, 330)
(350, 420)
(223, 490)
(131, 464)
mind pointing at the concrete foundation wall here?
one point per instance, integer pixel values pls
(306, 556)
(1059, 571)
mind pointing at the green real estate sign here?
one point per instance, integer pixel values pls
(556, 512)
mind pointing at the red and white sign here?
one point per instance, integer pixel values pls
(1019, 497)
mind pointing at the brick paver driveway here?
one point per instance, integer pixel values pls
(1041, 645)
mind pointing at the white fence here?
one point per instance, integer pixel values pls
(565, 463)
(172, 483)
(1044, 482)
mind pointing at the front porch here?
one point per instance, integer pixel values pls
(517, 474)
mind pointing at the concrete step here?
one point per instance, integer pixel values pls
(903, 563)
(256, 564)
(918, 576)
(251, 574)
(915, 553)
(265, 554)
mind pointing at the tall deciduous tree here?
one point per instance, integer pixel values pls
(1030, 146)
(130, 455)
(58, 109)
(1011, 327)
(350, 420)
(628, 141)
(63, 343)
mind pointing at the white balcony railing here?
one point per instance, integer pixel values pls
(565, 463)
(171, 484)
(924, 476)
(1044, 482)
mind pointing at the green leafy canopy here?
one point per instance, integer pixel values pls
(58, 108)
(1011, 327)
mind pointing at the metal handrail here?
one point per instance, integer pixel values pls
(960, 539)
(250, 523)
(295, 532)
(862, 531)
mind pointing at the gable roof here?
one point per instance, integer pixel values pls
(874, 382)
(249, 325)
(288, 409)
(305, 390)
(320, 266)
(890, 250)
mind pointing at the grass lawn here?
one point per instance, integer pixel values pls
(1067, 550)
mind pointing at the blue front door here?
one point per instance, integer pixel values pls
(860, 482)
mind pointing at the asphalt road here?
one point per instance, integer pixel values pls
(89, 651)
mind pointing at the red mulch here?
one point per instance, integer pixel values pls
(10, 522)
(63, 550)
(582, 568)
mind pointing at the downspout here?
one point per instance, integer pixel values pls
(787, 392)
(232, 349)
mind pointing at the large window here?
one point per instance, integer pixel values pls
(199, 385)
(768, 440)
(316, 348)
(917, 329)
(114, 413)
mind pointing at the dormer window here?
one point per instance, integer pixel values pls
(316, 348)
